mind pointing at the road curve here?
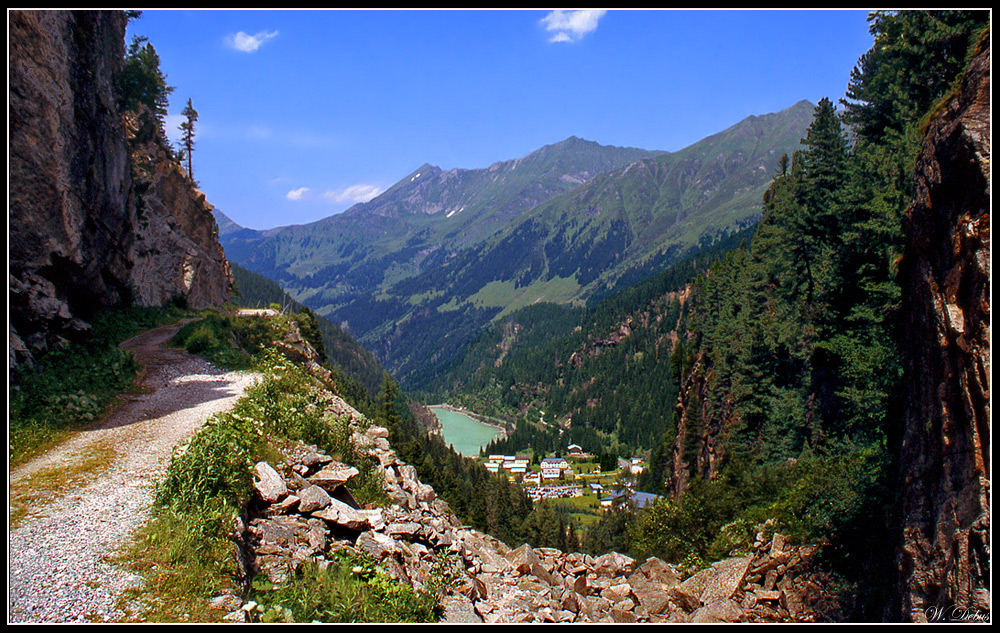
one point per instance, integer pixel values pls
(58, 565)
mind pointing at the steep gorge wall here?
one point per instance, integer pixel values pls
(944, 556)
(70, 232)
(99, 216)
(176, 252)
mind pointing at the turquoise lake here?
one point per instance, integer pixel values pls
(465, 434)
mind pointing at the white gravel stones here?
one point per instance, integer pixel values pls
(58, 557)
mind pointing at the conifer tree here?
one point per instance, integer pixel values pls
(915, 58)
(141, 80)
(824, 165)
(187, 133)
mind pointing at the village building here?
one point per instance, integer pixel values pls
(554, 462)
(632, 466)
(550, 472)
(622, 498)
(636, 466)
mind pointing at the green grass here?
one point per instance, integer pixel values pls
(353, 588)
(181, 569)
(505, 294)
(75, 386)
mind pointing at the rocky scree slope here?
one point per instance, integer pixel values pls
(302, 512)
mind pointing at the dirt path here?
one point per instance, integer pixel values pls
(84, 498)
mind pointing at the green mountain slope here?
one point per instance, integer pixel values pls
(417, 272)
(604, 376)
(339, 348)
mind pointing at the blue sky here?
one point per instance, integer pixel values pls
(304, 113)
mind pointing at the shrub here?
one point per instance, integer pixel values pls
(352, 589)
(810, 500)
(212, 469)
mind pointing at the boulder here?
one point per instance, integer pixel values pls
(269, 484)
(333, 476)
(340, 514)
(718, 611)
(313, 498)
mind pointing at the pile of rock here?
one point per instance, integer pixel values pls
(785, 583)
(303, 511)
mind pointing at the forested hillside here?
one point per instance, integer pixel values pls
(791, 407)
(773, 389)
(795, 334)
(603, 376)
(417, 273)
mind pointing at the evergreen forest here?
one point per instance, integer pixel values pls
(760, 376)
(763, 379)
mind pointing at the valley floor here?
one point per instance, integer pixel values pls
(79, 503)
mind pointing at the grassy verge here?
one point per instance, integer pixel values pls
(73, 387)
(185, 554)
(181, 567)
(30, 494)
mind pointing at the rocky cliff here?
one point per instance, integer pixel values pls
(944, 556)
(699, 448)
(176, 252)
(70, 234)
(86, 231)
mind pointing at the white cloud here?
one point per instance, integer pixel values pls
(570, 26)
(296, 194)
(249, 43)
(354, 193)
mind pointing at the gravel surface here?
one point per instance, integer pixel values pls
(58, 565)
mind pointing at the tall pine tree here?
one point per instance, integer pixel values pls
(187, 133)
(142, 81)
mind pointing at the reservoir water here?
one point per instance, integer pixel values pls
(465, 434)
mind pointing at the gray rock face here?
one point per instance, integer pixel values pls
(98, 214)
(70, 229)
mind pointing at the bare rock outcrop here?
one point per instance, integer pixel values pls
(944, 556)
(99, 215)
(176, 252)
(70, 232)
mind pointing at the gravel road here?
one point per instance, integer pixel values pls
(57, 557)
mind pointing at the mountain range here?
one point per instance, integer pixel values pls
(417, 272)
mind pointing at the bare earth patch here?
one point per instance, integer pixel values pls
(74, 506)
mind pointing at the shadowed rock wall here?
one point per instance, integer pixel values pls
(944, 556)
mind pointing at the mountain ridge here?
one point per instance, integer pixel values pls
(443, 252)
